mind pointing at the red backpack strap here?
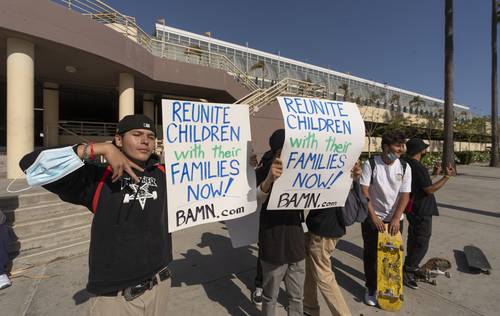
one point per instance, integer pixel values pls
(161, 167)
(97, 193)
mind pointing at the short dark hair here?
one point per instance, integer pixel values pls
(393, 137)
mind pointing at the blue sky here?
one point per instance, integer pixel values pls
(400, 42)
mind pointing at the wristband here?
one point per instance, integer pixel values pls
(85, 152)
(92, 156)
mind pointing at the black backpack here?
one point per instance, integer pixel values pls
(404, 163)
(356, 206)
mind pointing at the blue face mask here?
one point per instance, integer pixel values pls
(392, 156)
(50, 166)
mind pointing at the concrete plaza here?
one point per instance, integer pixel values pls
(212, 278)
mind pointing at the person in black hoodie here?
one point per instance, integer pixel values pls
(261, 172)
(130, 247)
(281, 242)
(421, 209)
(325, 228)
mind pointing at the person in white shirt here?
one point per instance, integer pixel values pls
(387, 188)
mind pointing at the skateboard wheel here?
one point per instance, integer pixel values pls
(447, 274)
(401, 248)
(402, 297)
(433, 282)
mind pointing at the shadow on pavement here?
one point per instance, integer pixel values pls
(470, 210)
(350, 248)
(218, 271)
(347, 282)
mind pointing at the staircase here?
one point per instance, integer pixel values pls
(102, 13)
(285, 87)
(46, 228)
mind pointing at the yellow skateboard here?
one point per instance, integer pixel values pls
(390, 271)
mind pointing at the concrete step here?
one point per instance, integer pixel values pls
(13, 201)
(39, 212)
(51, 239)
(52, 224)
(63, 250)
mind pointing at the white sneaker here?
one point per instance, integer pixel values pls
(370, 300)
(4, 281)
(257, 296)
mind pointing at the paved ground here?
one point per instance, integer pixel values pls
(211, 278)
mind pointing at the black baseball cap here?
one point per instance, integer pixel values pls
(415, 145)
(136, 121)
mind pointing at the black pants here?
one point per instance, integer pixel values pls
(4, 247)
(370, 241)
(258, 277)
(419, 235)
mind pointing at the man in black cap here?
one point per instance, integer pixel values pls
(420, 209)
(281, 239)
(261, 171)
(130, 247)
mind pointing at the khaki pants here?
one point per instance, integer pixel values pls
(319, 274)
(151, 303)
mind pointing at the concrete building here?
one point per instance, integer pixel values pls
(69, 72)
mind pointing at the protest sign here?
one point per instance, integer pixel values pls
(323, 140)
(206, 148)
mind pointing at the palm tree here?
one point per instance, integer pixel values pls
(394, 99)
(494, 93)
(345, 87)
(260, 65)
(417, 103)
(448, 150)
(372, 98)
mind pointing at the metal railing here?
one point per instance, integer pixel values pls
(288, 86)
(103, 13)
(194, 55)
(83, 128)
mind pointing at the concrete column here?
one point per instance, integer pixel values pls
(20, 103)
(148, 106)
(126, 90)
(50, 114)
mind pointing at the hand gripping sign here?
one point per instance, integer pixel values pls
(323, 140)
(206, 148)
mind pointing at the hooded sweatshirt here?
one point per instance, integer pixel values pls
(129, 239)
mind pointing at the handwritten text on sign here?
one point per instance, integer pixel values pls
(323, 140)
(206, 161)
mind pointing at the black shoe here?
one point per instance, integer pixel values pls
(409, 280)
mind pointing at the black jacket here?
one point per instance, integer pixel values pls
(129, 240)
(281, 236)
(326, 222)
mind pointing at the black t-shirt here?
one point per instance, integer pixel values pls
(281, 236)
(326, 222)
(423, 204)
